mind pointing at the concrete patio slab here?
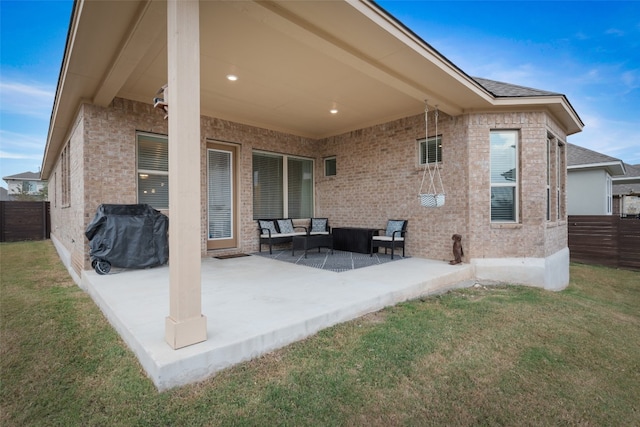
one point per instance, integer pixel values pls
(253, 306)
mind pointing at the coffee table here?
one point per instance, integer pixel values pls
(311, 241)
(354, 239)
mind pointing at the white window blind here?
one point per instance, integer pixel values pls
(300, 188)
(549, 169)
(153, 170)
(428, 153)
(220, 194)
(504, 175)
(282, 186)
(267, 186)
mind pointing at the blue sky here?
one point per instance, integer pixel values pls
(587, 50)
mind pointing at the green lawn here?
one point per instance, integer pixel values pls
(489, 356)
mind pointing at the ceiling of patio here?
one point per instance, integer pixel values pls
(295, 61)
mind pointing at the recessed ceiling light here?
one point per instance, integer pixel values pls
(232, 77)
(334, 111)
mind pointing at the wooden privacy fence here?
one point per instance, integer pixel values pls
(24, 221)
(605, 240)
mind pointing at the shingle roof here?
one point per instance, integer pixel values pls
(632, 170)
(623, 185)
(24, 176)
(577, 155)
(502, 90)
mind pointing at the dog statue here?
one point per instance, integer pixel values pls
(458, 253)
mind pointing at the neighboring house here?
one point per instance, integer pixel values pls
(626, 192)
(4, 194)
(25, 184)
(325, 117)
(590, 181)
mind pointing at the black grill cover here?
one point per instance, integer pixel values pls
(129, 236)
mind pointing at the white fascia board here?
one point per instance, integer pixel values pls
(614, 168)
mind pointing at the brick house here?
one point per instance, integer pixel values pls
(329, 98)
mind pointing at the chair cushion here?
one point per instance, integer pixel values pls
(270, 225)
(394, 225)
(318, 225)
(388, 238)
(285, 226)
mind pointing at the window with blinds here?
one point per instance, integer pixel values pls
(282, 186)
(430, 150)
(561, 168)
(504, 175)
(220, 194)
(550, 156)
(153, 170)
(300, 188)
(555, 179)
(65, 177)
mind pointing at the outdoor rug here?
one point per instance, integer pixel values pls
(338, 261)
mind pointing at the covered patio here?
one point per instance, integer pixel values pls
(254, 305)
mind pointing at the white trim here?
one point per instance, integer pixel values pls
(550, 273)
(614, 168)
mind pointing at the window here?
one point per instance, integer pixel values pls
(220, 193)
(282, 186)
(549, 174)
(428, 153)
(330, 166)
(28, 187)
(55, 196)
(504, 176)
(65, 175)
(555, 176)
(153, 170)
(561, 181)
(609, 195)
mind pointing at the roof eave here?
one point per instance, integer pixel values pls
(613, 168)
(559, 105)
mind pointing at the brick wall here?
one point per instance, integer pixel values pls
(378, 178)
(67, 219)
(533, 236)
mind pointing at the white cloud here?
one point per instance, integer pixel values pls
(615, 32)
(619, 139)
(26, 99)
(19, 156)
(21, 141)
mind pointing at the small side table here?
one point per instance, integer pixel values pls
(311, 241)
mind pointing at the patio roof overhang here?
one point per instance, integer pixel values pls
(295, 61)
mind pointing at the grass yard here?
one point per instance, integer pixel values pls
(488, 356)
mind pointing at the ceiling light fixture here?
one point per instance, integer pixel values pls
(334, 111)
(232, 77)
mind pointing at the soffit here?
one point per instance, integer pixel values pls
(295, 61)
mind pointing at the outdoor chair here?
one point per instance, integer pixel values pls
(393, 237)
(319, 226)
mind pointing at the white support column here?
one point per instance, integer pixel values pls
(185, 324)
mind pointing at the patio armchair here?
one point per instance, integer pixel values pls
(393, 237)
(319, 226)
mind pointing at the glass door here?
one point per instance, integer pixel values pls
(221, 194)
